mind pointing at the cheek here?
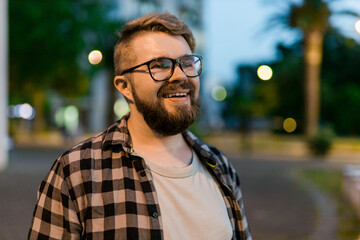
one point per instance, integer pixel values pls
(148, 94)
(146, 91)
(196, 84)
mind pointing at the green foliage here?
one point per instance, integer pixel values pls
(330, 181)
(321, 142)
(340, 88)
(288, 80)
(49, 41)
(340, 84)
(258, 99)
(346, 100)
(265, 98)
(311, 17)
(281, 96)
(312, 14)
(49, 45)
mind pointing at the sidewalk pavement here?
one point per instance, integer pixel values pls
(277, 205)
(18, 186)
(280, 205)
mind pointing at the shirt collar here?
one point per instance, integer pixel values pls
(118, 136)
(200, 148)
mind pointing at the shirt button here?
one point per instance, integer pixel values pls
(155, 214)
(142, 173)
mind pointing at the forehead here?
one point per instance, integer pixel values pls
(150, 45)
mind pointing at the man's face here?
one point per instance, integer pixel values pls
(163, 111)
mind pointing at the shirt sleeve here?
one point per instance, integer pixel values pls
(55, 215)
(234, 182)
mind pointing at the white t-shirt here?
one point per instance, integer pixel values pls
(191, 204)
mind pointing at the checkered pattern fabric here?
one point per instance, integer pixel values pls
(100, 190)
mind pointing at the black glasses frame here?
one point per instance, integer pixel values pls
(174, 62)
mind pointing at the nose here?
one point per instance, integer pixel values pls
(178, 74)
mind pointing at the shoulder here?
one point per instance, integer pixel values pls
(215, 158)
(90, 153)
(208, 151)
(87, 149)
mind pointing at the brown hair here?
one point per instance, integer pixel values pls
(155, 22)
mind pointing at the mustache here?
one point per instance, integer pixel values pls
(175, 86)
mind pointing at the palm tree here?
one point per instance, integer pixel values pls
(312, 18)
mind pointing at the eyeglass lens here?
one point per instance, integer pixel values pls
(162, 68)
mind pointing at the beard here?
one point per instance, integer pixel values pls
(160, 120)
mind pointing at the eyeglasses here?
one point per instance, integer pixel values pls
(162, 69)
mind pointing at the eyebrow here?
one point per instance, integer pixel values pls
(186, 54)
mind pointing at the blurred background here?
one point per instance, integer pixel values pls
(280, 96)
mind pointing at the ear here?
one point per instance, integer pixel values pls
(123, 85)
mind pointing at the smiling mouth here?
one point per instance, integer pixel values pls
(175, 95)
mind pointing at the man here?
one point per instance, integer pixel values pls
(146, 176)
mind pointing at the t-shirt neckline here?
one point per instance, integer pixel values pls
(169, 172)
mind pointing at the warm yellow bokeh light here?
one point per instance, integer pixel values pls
(289, 125)
(357, 26)
(264, 72)
(219, 93)
(95, 57)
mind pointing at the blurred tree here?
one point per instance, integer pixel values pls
(288, 82)
(282, 95)
(312, 18)
(341, 84)
(249, 98)
(249, 101)
(49, 43)
(340, 88)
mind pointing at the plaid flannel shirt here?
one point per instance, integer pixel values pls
(100, 190)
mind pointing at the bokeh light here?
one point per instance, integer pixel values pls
(289, 125)
(68, 117)
(95, 57)
(71, 117)
(24, 111)
(357, 26)
(121, 107)
(59, 117)
(219, 93)
(264, 72)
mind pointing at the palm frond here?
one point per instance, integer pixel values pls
(347, 13)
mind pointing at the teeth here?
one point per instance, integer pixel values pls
(176, 95)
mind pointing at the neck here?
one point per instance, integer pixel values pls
(171, 151)
(142, 134)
